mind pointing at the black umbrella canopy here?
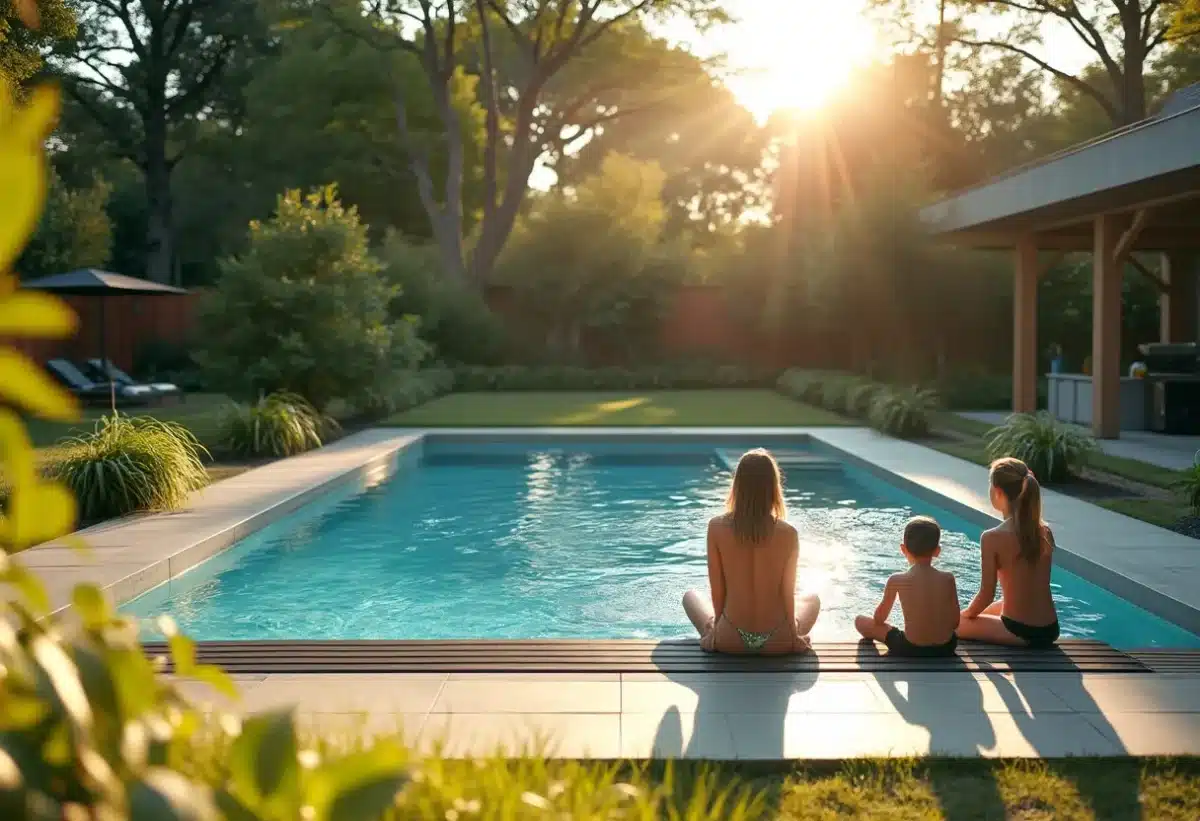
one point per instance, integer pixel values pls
(93, 282)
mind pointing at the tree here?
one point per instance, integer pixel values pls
(305, 309)
(21, 45)
(149, 72)
(662, 104)
(545, 36)
(1122, 34)
(588, 267)
(74, 231)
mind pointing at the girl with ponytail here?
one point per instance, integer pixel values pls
(1019, 554)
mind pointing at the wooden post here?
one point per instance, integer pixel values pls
(1179, 303)
(1025, 358)
(1106, 328)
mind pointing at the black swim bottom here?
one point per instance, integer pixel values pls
(1037, 637)
(899, 645)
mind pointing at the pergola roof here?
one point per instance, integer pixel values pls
(1153, 165)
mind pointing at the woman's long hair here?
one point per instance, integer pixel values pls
(1020, 487)
(756, 497)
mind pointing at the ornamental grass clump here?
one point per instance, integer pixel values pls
(130, 464)
(278, 425)
(1052, 450)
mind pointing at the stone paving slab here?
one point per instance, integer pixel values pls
(772, 718)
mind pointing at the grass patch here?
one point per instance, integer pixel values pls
(1162, 512)
(972, 451)
(1136, 471)
(737, 408)
(198, 412)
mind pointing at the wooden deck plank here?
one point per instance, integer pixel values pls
(636, 656)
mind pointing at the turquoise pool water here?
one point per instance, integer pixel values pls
(539, 541)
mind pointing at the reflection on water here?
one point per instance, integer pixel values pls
(563, 545)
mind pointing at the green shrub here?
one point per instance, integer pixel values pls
(835, 391)
(1053, 451)
(860, 396)
(130, 464)
(903, 412)
(455, 319)
(404, 390)
(305, 309)
(1189, 485)
(801, 384)
(975, 391)
(160, 361)
(281, 424)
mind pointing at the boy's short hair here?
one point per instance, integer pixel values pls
(922, 535)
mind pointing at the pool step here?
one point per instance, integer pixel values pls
(787, 459)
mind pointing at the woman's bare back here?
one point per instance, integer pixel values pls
(1025, 585)
(756, 576)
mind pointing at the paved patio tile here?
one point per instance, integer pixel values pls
(751, 697)
(1150, 733)
(515, 677)
(557, 735)
(999, 735)
(381, 695)
(962, 694)
(825, 736)
(499, 695)
(1132, 694)
(673, 734)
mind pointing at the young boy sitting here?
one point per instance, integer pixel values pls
(928, 599)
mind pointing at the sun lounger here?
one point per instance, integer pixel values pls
(97, 369)
(79, 384)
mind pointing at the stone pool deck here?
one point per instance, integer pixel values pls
(752, 716)
(761, 716)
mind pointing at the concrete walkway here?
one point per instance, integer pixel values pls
(753, 717)
(1171, 452)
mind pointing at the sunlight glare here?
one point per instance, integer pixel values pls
(794, 54)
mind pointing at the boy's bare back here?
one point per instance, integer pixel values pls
(929, 601)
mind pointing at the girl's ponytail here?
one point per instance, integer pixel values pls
(1018, 484)
(1027, 518)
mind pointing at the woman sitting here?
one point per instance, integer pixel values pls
(1019, 553)
(752, 554)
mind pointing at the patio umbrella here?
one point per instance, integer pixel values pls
(92, 282)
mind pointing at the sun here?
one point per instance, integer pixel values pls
(794, 54)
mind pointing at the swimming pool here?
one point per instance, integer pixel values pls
(588, 540)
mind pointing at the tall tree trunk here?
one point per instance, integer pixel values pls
(157, 175)
(1130, 87)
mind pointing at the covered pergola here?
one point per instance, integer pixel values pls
(1135, 189)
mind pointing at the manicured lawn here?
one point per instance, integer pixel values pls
(198, 413)
(736, 408)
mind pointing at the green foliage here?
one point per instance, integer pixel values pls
(903, 412)
(569, 378)
(130, 464)
(455, 320)
(975, 390)
(404, 390)
(588, 268)
(161, 361)
(860, 397)
(1052, 450)
(1189, 485)
(22, 48)
(805, 385)
(278, 425)
(305, 309)
(74, 232)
